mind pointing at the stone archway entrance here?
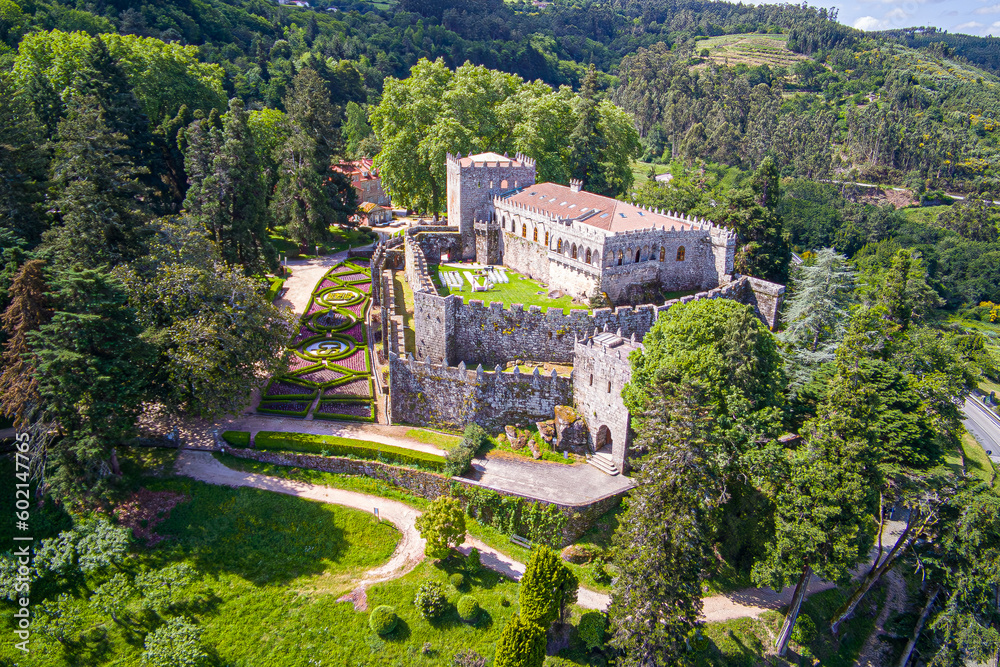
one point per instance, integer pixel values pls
(603, 439)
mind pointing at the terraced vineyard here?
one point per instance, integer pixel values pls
(329, 374)
(750, 49)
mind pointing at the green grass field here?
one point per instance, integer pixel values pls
(269, 568)
(439, 440)
(404, 307)
(520, 289)
(749, 49)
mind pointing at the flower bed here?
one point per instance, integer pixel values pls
(290, 408)
(322, 376)
(345, 409)
(286, 390)
(356, 362)
(329, 352)
(359, 387)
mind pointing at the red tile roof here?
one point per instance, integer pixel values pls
(606, 213)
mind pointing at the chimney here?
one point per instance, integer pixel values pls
(575, 184)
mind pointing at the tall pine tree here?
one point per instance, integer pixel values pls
(100, 201)
(28, 310)
(227, 191)
(22, 168)
(587, 143)
(91, 370)
(100, 77)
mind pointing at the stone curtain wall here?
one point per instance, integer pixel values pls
(453, 397)
(429, 485)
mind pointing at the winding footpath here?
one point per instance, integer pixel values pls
(202, 466)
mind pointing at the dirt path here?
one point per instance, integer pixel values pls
(874, 650)
(202, 466)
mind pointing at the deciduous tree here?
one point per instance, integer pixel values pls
(443, 526)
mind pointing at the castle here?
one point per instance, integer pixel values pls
(584, 243)
(454, 371)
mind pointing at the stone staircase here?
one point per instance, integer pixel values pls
(603, 462)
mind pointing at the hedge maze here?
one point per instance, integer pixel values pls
(329, 356)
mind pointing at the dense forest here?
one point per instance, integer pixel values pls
(157, 158)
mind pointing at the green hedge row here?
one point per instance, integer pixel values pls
(237, 438)
(334, 446)
(272, 291)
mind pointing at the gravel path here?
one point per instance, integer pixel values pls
(202, 466)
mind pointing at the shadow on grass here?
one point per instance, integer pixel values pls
(270, 538)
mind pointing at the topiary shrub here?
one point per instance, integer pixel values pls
(592, 627)
(472, 562)
(430, 600)
(468, 608)
(804, 632)
(383, 620)
(457, 580)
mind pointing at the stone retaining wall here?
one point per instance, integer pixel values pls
(429, 485)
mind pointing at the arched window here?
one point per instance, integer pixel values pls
(503, 184)
(637, 252)
(535, 233)
(609, 386)
(620, 257)
(546, 239)
(663, 254)
(680, 254)
(573, 251)
(588, 255)
(591, 379)
(559, 246)
(524, 231)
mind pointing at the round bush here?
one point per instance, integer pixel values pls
(600, 573)
(383, 620)
(468, 608)
(430, 600)
(592, 627)
(457, 580)
(804, 631)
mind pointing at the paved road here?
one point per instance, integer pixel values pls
(984, 428)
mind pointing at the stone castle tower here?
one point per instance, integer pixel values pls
(474, 181)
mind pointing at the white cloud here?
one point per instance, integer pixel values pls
(971, 25)
(868, 23)
(992, 9)
(897, 14)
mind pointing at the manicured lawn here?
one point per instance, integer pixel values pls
(487, 534)
(439, 440)
(519, 289)
(268, 571)
(404, 307)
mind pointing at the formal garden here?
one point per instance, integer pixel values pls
(330, 370)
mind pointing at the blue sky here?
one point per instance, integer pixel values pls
(973, 17)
